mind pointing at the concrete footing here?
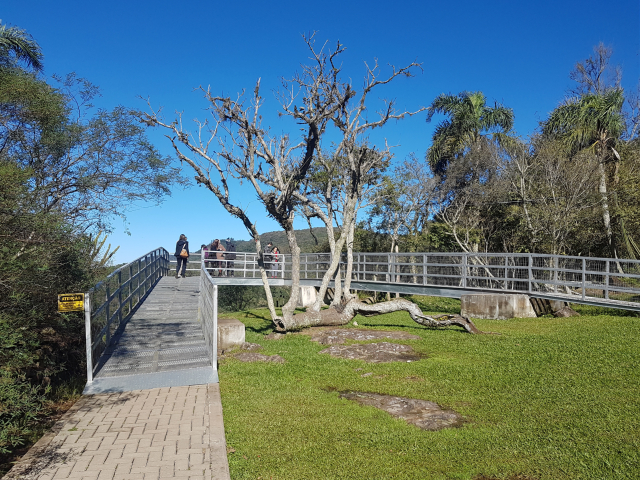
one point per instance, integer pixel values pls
(307, 297)
(496, 306)
(230, 333)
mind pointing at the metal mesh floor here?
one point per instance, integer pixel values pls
(163, 336)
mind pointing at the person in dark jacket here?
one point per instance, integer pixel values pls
(182, 261)
(267, 255)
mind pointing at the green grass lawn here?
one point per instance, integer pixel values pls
(547, 398)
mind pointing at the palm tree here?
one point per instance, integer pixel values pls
(18, 45)
(591, 122)
(470, 121)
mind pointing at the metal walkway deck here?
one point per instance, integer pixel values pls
(162, 344)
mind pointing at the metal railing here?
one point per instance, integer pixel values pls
(562, 277)
(237, 264)
(111, 302)
(208, 313)
(605, 281)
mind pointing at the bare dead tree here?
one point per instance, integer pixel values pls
(595, 74)
(278, 167)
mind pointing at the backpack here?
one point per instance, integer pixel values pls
(231, 249)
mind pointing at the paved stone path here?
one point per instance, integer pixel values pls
(161, 433)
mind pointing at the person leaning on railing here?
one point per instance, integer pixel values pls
(182, 255)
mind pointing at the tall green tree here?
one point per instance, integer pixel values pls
(17, 46)
(592, 122)
(470, 126)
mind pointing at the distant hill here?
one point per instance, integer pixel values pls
(306, 242)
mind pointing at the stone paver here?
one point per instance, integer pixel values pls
(174, 432)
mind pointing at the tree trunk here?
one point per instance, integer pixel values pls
(349, 270)
(290, 306)
(343, 314)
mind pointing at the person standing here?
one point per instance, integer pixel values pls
(267, 258)
(276, 258)
(219, 255)
(182, 256)
(204, 251)
(231, 256)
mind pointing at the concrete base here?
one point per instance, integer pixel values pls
(496, 306)
(230, 333)
(307, 297)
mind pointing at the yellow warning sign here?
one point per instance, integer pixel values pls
(71, 302)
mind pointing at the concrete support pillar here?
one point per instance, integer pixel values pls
(496, 306)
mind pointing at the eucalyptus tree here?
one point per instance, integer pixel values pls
(16, 46)
(233, 143)
(471, 125)
(592, 123)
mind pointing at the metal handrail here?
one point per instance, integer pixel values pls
(208, 313)
(615, 282)
(569, 277)
(115, 300)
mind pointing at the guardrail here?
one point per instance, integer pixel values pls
(557, 276)
(208, 313)
(111, 302)
(239, 264)
(605, 281)
(583, 277)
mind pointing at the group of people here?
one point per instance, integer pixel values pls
(220, 259)
(217, 257)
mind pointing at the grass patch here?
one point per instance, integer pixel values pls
(547, 398)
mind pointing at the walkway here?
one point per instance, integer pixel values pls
(161, 346)
(154, 434)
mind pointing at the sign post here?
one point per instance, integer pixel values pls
(71, 302)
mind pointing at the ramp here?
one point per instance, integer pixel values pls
(161, 345)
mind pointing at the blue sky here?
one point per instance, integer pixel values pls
(517, 53)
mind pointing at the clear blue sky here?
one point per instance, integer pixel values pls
(517, 53)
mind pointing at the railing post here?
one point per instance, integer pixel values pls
(584, 277)
(506, 272)
(606, 280)
(130, 288)
(214, 358)
(87, 335)
(530, 272)
(108, 313)
(424, 269)
(119, 297)
(556, 263)
(464, 270)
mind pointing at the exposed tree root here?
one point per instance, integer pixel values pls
(344, 313)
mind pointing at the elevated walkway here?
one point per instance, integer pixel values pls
(162, 344)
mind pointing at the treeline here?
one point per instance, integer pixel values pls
(571, 188)
(66, 169)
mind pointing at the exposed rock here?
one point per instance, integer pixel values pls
(566, 312)
(374, 352)
(274, 336)
(337, 336)
(250, 346)
(421, 413)
(258, 357)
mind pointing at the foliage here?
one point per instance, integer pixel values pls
(544, 398)
(16, 46)
(64, 171)
(308, 240)
(469, 123)
(41, 257)
(88, 166)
